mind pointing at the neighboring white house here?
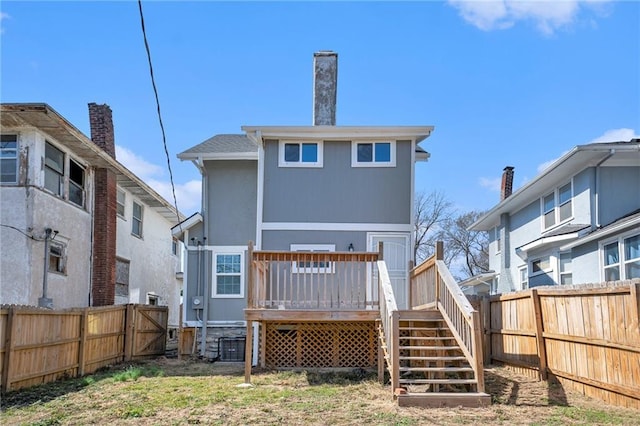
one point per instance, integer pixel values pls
(578, 222)
(77, 227)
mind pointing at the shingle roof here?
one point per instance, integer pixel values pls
(223, 144)
(569, 228)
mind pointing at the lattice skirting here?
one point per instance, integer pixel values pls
(320, 345)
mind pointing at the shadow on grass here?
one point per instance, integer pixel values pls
(524, 391)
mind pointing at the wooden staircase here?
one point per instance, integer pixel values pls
(432, 369)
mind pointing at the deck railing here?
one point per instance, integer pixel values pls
(432, 285)
(312, 280)
(390, 320)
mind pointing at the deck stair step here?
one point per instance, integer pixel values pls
(430, 348)
(427, 338)
(438, 381)
(433, 358)
(443, 369)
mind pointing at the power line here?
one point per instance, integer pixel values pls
(155, 91)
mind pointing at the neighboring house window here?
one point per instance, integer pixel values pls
(57, 257)
(153, 299)
(76, 183)
(136, 220)
(229, 275)
(53, 169)
(556, 206)
(540, 266)
(494, 285)
(300, 154)
(566, 277)
(122, 277)
(524, 277)
(373, 154)
(9, 159)
(313, 267)
(175, 247)
(121, 198)
(627, 267)
(498, 241)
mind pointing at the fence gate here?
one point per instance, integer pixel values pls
(149, 330)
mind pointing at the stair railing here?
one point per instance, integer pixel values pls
(389, 317)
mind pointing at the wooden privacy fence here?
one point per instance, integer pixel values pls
(586, 337)
(39, 346)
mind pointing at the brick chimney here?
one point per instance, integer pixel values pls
(325, 88)
(103, 280)
(507, 183)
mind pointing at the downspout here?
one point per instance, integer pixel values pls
(597, 187)
(205, 231)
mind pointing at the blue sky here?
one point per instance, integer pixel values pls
(503, 82)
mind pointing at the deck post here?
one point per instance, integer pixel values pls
(248, 346)
(476, 342)
(395, 351)
(250, 283)
(439, 256)
(485, 305)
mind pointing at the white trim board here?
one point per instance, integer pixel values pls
(322, 226)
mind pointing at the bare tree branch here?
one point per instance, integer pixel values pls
(431, 212)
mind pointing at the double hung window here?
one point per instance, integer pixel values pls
(136, 220)
(229, 275)
(9, 159)
(557, 206)
(53, 169)
(621, 259)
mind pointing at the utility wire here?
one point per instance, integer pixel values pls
(21, 231)
(155, 91)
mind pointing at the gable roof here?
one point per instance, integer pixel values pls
(225, 146)
(574, 161)
(46, 119)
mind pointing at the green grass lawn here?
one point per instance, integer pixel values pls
(172, 392)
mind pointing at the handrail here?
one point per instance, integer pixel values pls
(389, 317)
(311, 280)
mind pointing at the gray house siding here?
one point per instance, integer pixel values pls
(585, 263)
(230, 185)
(282, 240)
(619, 192)
(337, 192)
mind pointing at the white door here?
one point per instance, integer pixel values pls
(396, 256)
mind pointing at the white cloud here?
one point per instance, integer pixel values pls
(492, 184)
(547, 16)
(3, 16)
(188, 194)
(546, 164)
(617, 135)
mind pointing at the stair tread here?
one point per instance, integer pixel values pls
(432, 348)
(434, 358)
(427, 338)
(438, 381)
(445, 369)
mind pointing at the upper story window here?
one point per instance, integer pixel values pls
(556, 206)
(373, 154)
(300, 154)
(53, 169)
(9, 159)
(136, 220)
(120, 201)
(76, 183)
(498, 240)
(626, 267)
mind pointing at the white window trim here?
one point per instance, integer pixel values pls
(124, 204)
(556, 207)
(621, 260)
(330, 269)
(373, 163)
(283, 163)
(16, 158)
(524, 268)
(140, 219)
(228, 250)
(543, 271)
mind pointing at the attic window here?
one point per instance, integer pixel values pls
(300, 154)
(373, 154)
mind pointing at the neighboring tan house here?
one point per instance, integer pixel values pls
(316, 188)
(77, 227)
(578, 222)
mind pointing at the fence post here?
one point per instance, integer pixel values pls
(129, 333)
(476, 342)
(485, 307)
(9, 343)
(635, 303)
(82, 356)
(542, 351)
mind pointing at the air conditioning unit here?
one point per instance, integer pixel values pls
(231, 349)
